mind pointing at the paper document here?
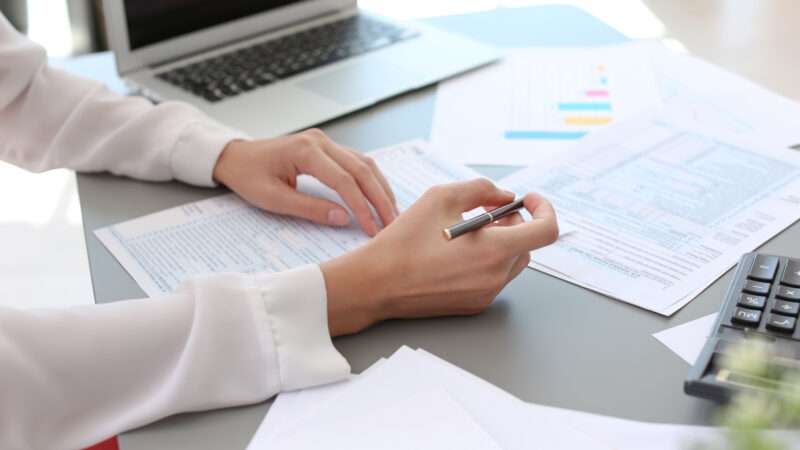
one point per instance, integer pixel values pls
(687, 340)
(224, 234)
(538, 101)
(712, 100)
(660, 212)
(394, 382)
(427, 420)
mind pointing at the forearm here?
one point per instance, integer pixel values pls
(51, 119)
(74, 377)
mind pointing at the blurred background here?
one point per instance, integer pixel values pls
(747, 36)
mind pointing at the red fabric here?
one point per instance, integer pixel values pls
(110, 444)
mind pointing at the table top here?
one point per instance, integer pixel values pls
(543, 340)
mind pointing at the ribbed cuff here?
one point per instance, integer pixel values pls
(296, 303)
(196, 152)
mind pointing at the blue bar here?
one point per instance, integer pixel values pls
(584, 106)
(555, 135)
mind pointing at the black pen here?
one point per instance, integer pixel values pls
(477, 222)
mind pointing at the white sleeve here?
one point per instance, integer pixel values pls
(73, 377)
(52, 119)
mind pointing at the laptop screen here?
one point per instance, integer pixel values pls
(153, 21)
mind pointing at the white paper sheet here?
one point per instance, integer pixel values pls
(426, 420)
(712, 100)
(400, 377)
(660, 211)
(538, 101)
(687, 340)
(225, 234)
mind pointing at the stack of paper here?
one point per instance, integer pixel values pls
(416, 400)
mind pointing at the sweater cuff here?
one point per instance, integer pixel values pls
(296, 303)
(196, 152)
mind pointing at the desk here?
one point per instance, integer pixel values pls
(543, 340)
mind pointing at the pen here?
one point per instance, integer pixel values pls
(477, 222)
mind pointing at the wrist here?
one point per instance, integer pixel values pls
(356, 285)
(223, 169)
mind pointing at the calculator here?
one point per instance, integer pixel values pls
(762, 302)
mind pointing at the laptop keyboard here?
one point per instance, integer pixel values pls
(248, 68)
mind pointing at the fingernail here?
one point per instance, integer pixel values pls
(509, 193)
(338, 217)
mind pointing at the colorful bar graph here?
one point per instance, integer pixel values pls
(545, 135)
(597, 93)
(577, 120)
(599, 106)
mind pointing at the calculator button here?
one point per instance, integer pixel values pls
(780, 323)
(788, 308)
(756, 287)
(746, 316)
(791, 275)
(788, 293)
(764, 268)
(752, 301)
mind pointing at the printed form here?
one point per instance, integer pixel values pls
(225, 234)
(660, 212)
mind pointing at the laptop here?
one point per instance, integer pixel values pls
(271, 67)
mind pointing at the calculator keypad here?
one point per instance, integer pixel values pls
(766, 298)
(752, 301)
(747, 316)
(787, 308)
(791, 276)
(756, 287)
(788, 293)
(764, 268)
(781, 323)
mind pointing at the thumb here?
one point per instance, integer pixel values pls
(285, 200)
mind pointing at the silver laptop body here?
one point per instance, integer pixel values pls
(160, 46)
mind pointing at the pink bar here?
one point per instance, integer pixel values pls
(597, 93)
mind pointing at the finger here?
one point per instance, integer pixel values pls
(519, 265)
(319, 165)
(513, 219)
(285, 200)
(382, 179)
(467, 195)
(366, 180)
(542, 230)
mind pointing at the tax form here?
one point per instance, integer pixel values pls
(660, 211)
(225, 234)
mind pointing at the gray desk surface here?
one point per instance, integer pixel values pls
(543, 340)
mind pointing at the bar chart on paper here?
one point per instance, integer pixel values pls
(539, 100)
(550, 103)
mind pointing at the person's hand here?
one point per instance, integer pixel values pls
(265, 174)
(411, 270)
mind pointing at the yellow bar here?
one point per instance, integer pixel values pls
(575, 120)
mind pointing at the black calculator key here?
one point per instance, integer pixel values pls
(756, 287)
(746, 316)
(788, 293)
(791, 275)
(788, 308)
(764, 268)
(752, 301)
(778, 322)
